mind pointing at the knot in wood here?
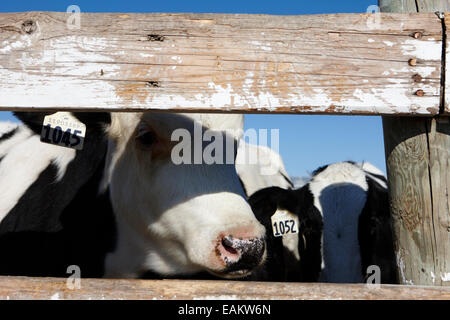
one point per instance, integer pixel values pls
(155, 37)
(153, 84)
(29, 26)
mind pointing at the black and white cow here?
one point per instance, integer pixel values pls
(121, 207)
(344, 226)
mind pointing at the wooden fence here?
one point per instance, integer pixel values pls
(389, 64)
(330, 64)
(107, 289)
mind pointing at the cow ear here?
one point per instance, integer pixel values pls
(266, 200)
(93, 120)
(32, 120)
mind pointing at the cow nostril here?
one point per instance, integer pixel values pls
(242, 255)
(227, 244)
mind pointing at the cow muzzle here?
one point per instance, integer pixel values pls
(239, 255)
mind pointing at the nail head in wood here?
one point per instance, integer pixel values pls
(412, 62)
(417, 35)
(420, 93)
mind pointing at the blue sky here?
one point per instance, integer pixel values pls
(306, 142)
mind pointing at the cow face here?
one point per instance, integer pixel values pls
(296, 258)
(178, 218)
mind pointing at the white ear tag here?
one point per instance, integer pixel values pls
(283, 223)
(64, 130)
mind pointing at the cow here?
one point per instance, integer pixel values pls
(344, 226)
(121, 207)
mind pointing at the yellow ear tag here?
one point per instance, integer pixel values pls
(63, 129)
(283, 223)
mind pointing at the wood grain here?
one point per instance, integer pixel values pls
(418, 166)
(410, 193)
(104, 289)
(439, 154)
(323, 64)
(447, 64)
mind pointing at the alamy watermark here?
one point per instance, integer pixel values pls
(220, 147)
(73, 22)
(373, 280)
(74, 280)
(374, 20)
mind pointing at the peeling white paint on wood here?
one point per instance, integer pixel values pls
(55, 297)
(273, 64)
(21, 43)
(425, 50)
(401, 266)
(426, 71)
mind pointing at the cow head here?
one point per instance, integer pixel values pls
(174, 218)
(289, 260)
(190, 216)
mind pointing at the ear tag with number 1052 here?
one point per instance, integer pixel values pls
(283, 223)
(64, 130)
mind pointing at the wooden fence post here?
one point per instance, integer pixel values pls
(418, 167)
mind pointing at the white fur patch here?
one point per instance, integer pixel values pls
(251, 173)
(371, 170)
(340, 193)
(291, 242)
(22, 165)
(6, 127)
(20, 135)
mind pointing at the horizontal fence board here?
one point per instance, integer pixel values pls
(325, 64)
(54, 288)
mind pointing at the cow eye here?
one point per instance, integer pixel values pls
(147, 138)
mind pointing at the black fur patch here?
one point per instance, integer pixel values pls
(60, 223)
(375, 233)
(279, 264)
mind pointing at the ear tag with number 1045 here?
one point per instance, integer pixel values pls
(63, 129)
(283, 223)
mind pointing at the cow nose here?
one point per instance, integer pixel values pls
(241, 255)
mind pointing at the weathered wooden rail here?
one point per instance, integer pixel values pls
(331, 64)
(388, 64)
(97, 289)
